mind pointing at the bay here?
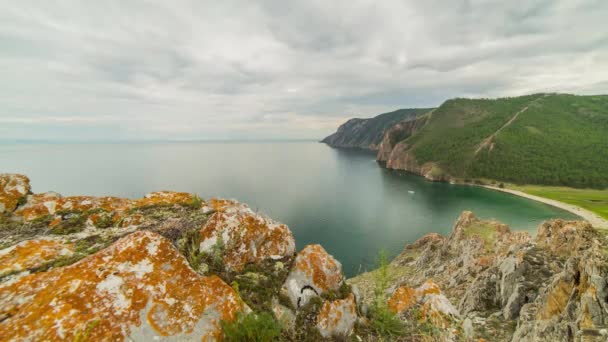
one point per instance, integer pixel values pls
(340, 199)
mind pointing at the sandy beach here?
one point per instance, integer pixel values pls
(596, 220)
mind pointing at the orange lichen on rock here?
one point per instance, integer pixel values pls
(217, 204)
(246, 237)
(38, 205)
(338, 317)
(566, 237)
(49, 203)
(140, 287)
(132, 220)
(435, 307)
(164, 198)
(314, 272)
(12, 188)
(403, 299)
(32, 253)
(556, 300)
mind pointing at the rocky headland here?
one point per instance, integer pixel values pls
(173, 266)
(367, 134)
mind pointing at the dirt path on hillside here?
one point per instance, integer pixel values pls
(488, 141)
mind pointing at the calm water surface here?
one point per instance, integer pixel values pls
(340, 199)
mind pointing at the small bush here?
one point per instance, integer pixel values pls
(260, 327)
(105, 221)
(306, 320)
(196, 203)
(383, 322)
(189, 247)
(71, 223)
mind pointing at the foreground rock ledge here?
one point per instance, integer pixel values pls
(108, 268)
(140, 287)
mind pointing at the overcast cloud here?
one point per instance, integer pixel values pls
(91, 70)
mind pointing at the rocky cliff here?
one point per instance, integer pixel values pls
(503, 285)
(368, 133)
(173, 266)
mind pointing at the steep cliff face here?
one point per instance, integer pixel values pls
(394, 151)
(398, 133)
(368, 133)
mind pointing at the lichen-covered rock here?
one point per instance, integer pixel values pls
(165, 198)
(245, 236)
(337, 317)
(435, 306)
(38, 205)
(49, 203)
(566, 237)
(139, 288)
(13, 187)
(314, 272)
(218, 204)
(574, 304)
(31, 254)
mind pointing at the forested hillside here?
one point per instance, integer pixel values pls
(552, 139)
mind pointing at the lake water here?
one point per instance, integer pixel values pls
(338, 198)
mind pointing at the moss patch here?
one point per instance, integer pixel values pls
(485, 232)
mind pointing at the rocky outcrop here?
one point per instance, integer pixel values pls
(138, 288)
(435, 306)
(245, 236)
(506, 285)
(31, 254)
(368, 133)
(106, 268)
(314, 273)
(338, 317)
(13, 188)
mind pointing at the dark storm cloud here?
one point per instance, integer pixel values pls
(277, 69)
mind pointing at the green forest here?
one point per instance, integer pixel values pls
(550, 139)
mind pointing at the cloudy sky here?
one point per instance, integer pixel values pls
(123, 70)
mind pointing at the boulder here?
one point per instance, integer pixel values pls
(139, 288)
(245, 236)
(314, 272)
(435, 306)
(13, 187)
(30, 254)
(50, 203)
(338, 317)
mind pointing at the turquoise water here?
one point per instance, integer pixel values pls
(338, 198)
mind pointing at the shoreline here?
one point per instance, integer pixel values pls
(587, 215)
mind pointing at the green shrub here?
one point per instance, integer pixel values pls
(71, 223)
(196, 203)
(254, 327)
(383, 322)
(104, 221)
(189, 246)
